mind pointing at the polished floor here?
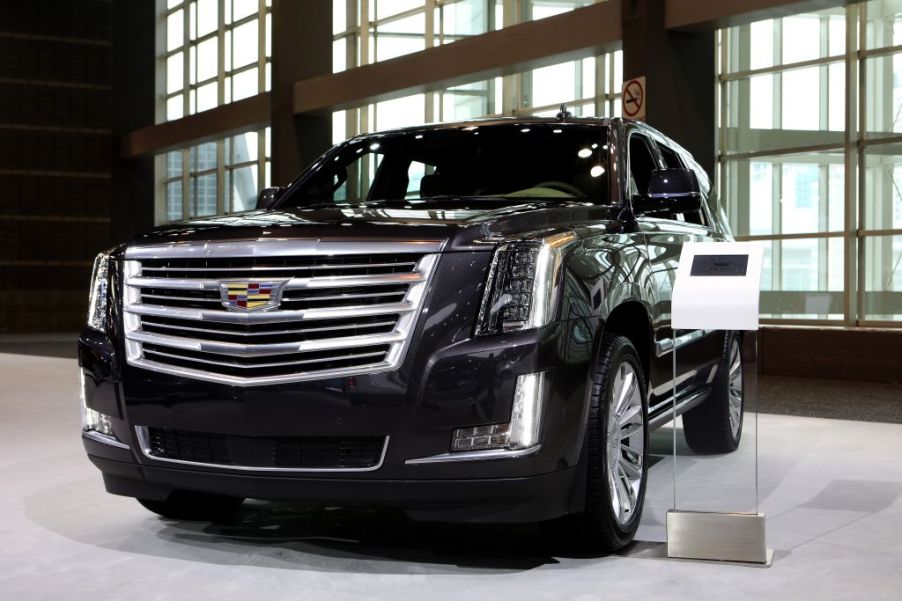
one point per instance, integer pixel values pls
(831, 489)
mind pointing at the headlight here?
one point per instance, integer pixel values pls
(522, 288)
(97, 304)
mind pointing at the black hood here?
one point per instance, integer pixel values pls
(460, 229)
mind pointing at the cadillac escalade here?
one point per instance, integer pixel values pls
(468, 322)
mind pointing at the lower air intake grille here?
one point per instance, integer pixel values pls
(264, 452)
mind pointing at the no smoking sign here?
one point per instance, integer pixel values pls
(633, 98)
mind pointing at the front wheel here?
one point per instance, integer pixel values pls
(189, 505)
(715, 426)
(617, 450)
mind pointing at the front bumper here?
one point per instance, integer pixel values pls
(441, 386)
(524, 499)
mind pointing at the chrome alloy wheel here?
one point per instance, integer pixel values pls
(625, 443)
(735, 389)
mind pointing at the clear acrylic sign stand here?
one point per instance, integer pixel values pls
(717, 287)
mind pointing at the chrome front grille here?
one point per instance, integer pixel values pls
(342, 311)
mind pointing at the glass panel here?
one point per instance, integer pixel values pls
(244, 84)
(339, 126)
(410, 110)
(801, 38)
(206, 97)
(245, 44)
(751, 119)
(339, 16)
(790, 194)
(884, 23)
(883, 278)
(207, 59)
(339, 55)
(761, 102)
(175, 72)
(554, 84)
(882, 181)
(243, 148)
(388, 46)
(245, 188)
(175, 108)
(883, 102)
(174, 164)
(203, 195)
(174, 200)
(415, 24)
(268, 33)
(203, 157)
(801, 89)
(175, 30)
(465, 102)
(387, 8)
(243, 8)
(761, 40)
(803, 279)
(466, 17)
(837, 35)
(207, 17)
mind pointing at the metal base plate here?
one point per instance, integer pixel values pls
(737, 537)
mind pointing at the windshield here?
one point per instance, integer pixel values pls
(493, 164)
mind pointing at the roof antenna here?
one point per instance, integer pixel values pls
(564, 114)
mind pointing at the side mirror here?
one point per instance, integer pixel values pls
(268, 197)
(670, 191)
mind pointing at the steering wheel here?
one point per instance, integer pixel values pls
(561, 187)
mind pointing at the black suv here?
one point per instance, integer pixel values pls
(469, 322)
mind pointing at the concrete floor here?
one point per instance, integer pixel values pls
(830, 488)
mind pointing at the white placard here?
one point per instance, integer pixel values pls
(718, 286)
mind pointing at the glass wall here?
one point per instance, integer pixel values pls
(214, 52)
(393, 28)
(809, 141)
(213, 178)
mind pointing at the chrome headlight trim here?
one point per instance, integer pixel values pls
(543, 294)
(99, 295)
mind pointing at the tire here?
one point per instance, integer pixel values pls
(189, 505)
(715, 426)
(605, 524)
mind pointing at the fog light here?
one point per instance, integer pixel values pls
(496, 436)
(524, 429)
(97, 422)
(91, 420)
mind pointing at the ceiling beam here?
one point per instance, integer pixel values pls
(226, 120)
(714, 14)
(577, 34)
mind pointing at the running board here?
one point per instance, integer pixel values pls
(684, 403)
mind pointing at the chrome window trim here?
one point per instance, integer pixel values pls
(104, 439)
(144, 445)
(486, 455)
(276, 247)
